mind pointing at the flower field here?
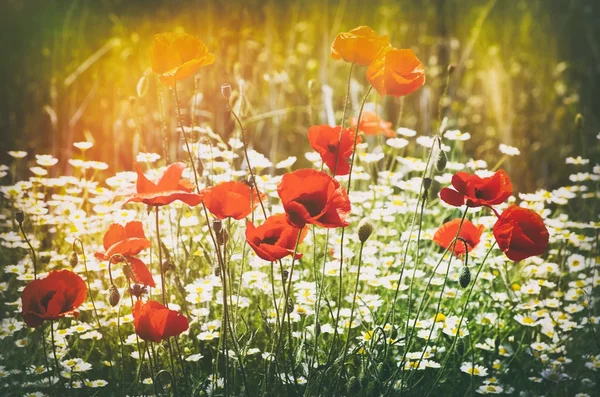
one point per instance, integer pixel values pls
(386, 262)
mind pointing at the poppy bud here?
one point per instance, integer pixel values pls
(222, 237)
(579, 121)
(383, 370)
(284, 275)
(217, 271)
(442, 160)
(290, 306)
(465, 277)
(19, 217)
(353, 386)
(113, 295)
(365, 229)
(73, 259)
(226, 90)
(451, 69)
(142, 86)
(167, 265)
(127, 272)
(317, 328)
(217, 225)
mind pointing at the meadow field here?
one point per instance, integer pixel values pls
(348, 198)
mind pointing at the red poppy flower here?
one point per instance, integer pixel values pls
(324, 139)
(469, 232)
(372, 124)
(275, 238)
(230, 200)
(128, 240)
(177, 56)
(313, 197)
(360, 45)
(396, 72)
(521, 233)
(154, 322)
(475, 191)
(52, 297)
(168, 188)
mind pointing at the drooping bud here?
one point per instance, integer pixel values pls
(167, 265)
(442, 160)
(73, 259)
(365, 229)
(113, 295)
(465, 277)
(290, 306)
(426, 183)
(218, 271)
(19, 217)
(284, 275)
(142, 86)
(226, 90)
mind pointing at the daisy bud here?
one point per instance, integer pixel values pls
(142, 86)
(442, 160)
(226, 90)
(353, 386)
(365, 229)
(465, 277)
(73, 259)
(579, 121)
(19, 217)
(113, 295)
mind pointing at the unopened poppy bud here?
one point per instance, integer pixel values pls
(226, 90)
(579, 121)
(217, 225)
(465, 277)
(19, 217)
(217, 271)
(284, 275)
(73, 259)
(142, 86)
(365, 229)
(222, 237)
(317, 328)
(290, 306)
(442, 160)
(451, 69)
(353, 386)
(167, 265)
(113, 295)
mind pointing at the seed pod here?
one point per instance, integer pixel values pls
(142, 86)
(226, 90)
(442, 160)
(465, 277)
(426, 183)
(19, 217)
(217, 225)
(73, 259)
(365, 229)
(353, 386)
(113, 295)
(222, 237)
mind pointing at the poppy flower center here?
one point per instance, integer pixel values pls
(332, 148)
(478, 193)
(270, 240)
(46, 299)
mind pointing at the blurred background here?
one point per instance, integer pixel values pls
(524, 69)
